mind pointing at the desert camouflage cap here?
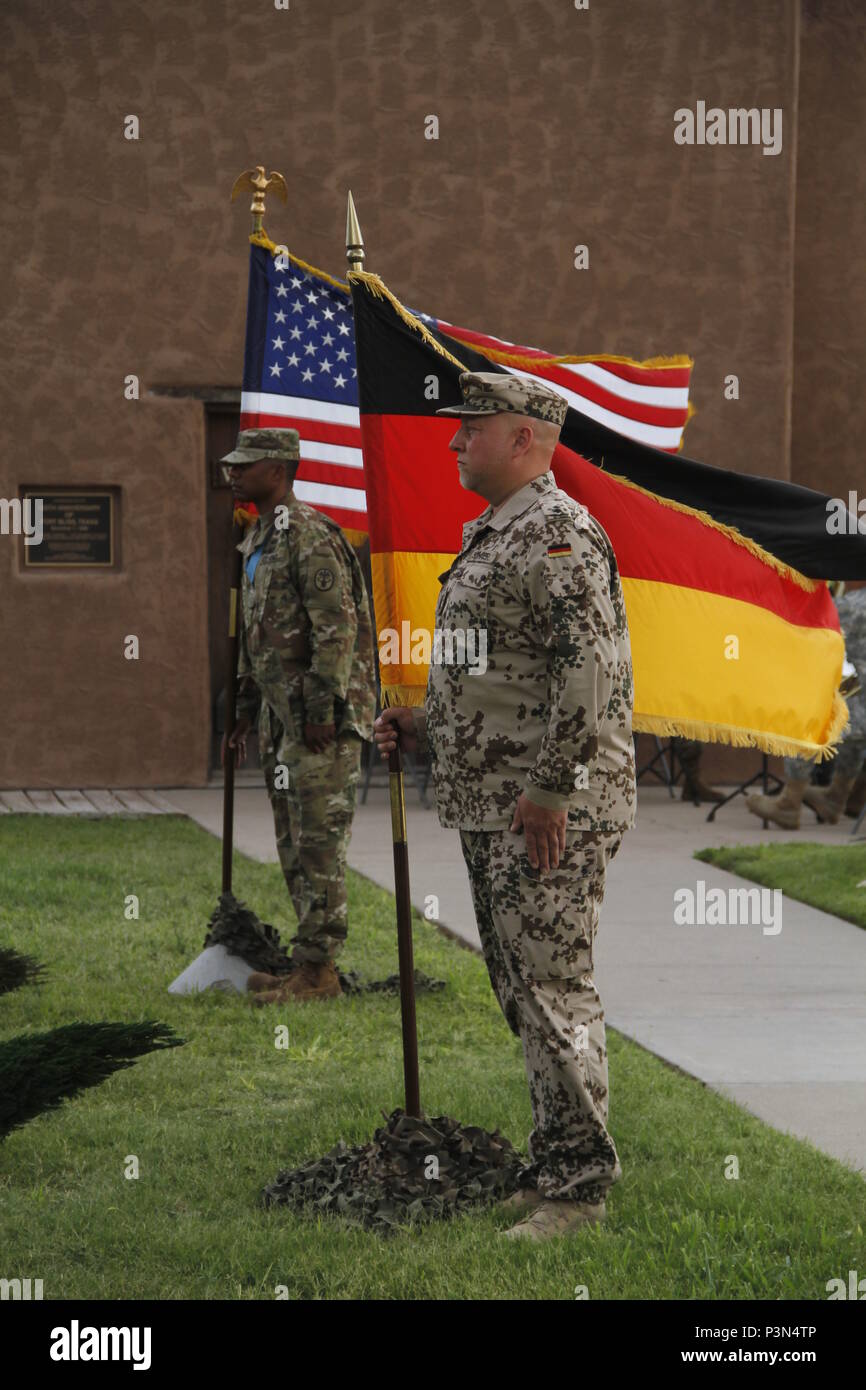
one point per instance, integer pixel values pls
(490, 393)
(265, 444)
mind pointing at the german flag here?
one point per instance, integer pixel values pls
(735, 637)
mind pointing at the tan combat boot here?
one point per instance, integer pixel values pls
(828, 803)
(784, 809)
(312, 980)
(857, 799)
(559, 1218)
(524, 1199)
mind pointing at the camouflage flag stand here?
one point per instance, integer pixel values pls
(411, 1171)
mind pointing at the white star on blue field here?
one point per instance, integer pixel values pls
(310, 347)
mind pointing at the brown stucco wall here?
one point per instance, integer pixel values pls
(829, 421)
(556, 128)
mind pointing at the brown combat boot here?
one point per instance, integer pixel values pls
(312, 980)
(784, 809)
(828, 803)
(694, 788)
(857, 799)
(259, 981)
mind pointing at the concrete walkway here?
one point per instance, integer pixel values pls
(89, 801)
(776, 1022)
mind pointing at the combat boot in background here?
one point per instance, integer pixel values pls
(784, 809)
(828, 803)
(857, 799)
(689, 750)
(310, 980)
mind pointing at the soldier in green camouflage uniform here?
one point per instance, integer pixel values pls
(830, 802)
(540, 742)
(306, 668)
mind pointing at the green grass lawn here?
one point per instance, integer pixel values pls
(825, 876)
(213, 1121)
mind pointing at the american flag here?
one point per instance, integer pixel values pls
(300, 371)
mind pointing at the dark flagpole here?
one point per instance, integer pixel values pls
(256, 182)
(355, 257)
(231, 713)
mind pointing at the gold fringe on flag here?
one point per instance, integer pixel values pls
(262, 239)
(786, 571)
(513, 359)
(377, 287)
(690, 412)
(407, 695)
(381, 291)
(746, 738)
(777, 745)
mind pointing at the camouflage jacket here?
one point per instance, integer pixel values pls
(551, 714)
(852, 620)
(306, 641)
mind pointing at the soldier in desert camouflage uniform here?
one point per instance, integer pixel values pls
(306, 667)
(829, 803)
(533, 762)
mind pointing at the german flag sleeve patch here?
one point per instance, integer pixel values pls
(559, 549)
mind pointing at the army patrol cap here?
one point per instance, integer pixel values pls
(253, 445)
(491, 393)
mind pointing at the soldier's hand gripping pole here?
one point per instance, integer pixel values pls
(404, 934)
(231, 715)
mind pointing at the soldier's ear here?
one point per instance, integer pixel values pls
(522, 439)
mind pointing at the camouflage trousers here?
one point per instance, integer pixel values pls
(849, 760)
(538, 932)
(312, 822)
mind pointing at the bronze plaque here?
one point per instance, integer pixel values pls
(77, 529)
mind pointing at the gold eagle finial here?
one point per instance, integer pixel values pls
(254, 181)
